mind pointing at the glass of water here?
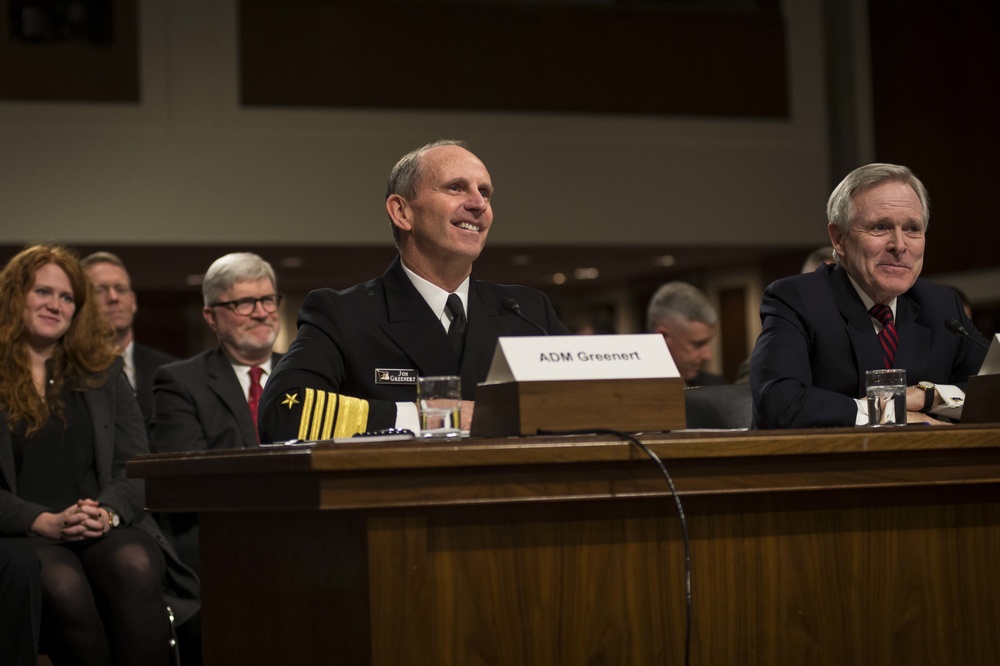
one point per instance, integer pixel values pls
(886, 393)
(439, 402)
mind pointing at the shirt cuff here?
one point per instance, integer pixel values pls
(862, 417)
(407, 417)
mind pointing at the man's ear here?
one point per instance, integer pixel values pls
(209, 316)
(662, 330)
(836, 238)
(399, 212)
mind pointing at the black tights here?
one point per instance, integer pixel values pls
(102, 599)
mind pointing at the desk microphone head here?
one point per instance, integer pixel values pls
(511, 306)
(956, 327)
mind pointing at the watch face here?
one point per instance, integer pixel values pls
(927, 386)
(114, 519)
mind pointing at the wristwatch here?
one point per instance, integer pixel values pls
(114, 520)
(929, 389)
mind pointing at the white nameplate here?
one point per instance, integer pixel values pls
(571, 357)
(991, 366)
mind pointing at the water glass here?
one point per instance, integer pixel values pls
(886, 393)
(439, 403)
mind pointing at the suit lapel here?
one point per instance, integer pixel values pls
(867, 350)
(143, 379)
(487, 321)
(222, 382)
(100, 402)
(914, 340)
(412, 326)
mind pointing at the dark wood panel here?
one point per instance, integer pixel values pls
(512, 56)
(828, 548)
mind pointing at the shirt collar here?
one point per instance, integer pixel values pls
(435, 296)
(866, 299)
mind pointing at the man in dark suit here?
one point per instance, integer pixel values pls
(684, 316)
(354, 364)
(118, 304)
(208, 401)
(823, 330)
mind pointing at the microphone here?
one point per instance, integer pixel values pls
(956, 328)
(511, 306)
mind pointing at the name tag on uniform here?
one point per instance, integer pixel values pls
(395, 376)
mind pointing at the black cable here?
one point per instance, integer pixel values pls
(680, 513)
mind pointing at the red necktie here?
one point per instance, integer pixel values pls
(888, 337)
(255, 391)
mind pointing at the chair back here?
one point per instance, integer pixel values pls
(724, 406)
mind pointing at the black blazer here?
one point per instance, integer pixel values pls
(119, 436)
(146, 360)
(817, 341)
(344, 337)
(198, 405)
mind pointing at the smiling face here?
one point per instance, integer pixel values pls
(884, 248)
(246, 339)
(444, 227)
(48, 308)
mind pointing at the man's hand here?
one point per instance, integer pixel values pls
(920, 417)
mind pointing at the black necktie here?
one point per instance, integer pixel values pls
(888, 337)
(456, 332)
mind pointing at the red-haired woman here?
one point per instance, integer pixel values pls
(68, 424)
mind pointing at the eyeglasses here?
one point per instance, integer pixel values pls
(246, 306)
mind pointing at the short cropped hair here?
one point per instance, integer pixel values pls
(840, 209)
(232, 268)
(404, 179)
(679, 299)
(103, 257)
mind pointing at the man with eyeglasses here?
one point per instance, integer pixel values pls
(209, 401)
(118, 304)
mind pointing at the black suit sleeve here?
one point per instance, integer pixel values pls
(175, 425)
(781, 376)
(306, 397)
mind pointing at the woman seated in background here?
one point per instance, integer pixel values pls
(68, 424)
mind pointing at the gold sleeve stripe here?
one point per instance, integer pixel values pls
(328, 418)
(307, 403)
(352, 416)
(326, 415)
(317, 417)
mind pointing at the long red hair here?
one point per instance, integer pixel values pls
(82, 356)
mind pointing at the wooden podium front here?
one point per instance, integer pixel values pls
(853, 546)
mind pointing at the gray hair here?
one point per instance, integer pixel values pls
(404, 179)
(840, 209)
(679, 299)
(232, 268)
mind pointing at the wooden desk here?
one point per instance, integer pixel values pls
(853, 546)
